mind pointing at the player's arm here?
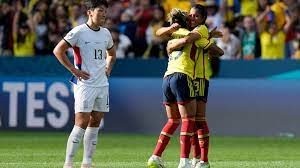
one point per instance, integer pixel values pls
(215, 51)
(166, 32)
(209, 46)
(190, 38)
(110, 60)
(60, 53)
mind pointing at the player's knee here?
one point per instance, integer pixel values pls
(201, 124)
(171, 126)
(82, 123)
(174, 121)
(188, 126)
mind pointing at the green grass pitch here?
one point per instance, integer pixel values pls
(47, 150)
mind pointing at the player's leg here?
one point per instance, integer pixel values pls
(165, 135)
(185, 97)
(187, 112)
(201, 122)
(82, 116)
(196, 149)
(169, 128)
(100, 106)
(75, 137)
(202, 130)
(91, 138)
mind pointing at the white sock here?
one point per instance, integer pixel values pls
(73, 143)
(89, 144)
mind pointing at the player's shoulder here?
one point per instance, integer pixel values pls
(104, 29)
(202, 29)
(79, 29)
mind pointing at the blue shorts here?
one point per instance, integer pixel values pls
(201, 89)
(178, 88)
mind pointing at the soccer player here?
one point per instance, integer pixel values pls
(198, 16)
(94, 56)
(178, 97)
(192, 53)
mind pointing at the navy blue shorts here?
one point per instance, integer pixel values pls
(178, 88)
(201, 86)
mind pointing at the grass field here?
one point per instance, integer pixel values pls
(47, 150)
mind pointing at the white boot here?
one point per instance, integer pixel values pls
(184, 163)
(155, 162)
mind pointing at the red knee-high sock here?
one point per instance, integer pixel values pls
(165, 136)
(195, 145)
(203, 135)
(187, 131)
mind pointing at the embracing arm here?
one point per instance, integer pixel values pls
(215, 51)
(190, 38)
(166, 32)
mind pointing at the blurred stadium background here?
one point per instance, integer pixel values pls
(253, 108)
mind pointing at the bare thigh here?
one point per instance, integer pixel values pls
(91, 119)
(172, 111)
(187, 110)
(201, 110)
(95, 118)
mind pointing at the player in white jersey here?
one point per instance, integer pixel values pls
(94, 56)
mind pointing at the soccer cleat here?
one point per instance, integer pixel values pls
(86, 166)
(202, 164)
(155, 162)
(68, 165)
(184, 163)
(194, 162)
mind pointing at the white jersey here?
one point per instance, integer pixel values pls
(89, 49)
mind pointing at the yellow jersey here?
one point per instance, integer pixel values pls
(203, 67)
(272, 46)
(26, 48)
(184, 60)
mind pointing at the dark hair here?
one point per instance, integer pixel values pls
(91, 4)
(180, 17)
(202, 11)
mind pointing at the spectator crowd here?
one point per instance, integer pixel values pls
(252, 29)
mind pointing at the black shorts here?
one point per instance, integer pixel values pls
(201, 86)
(178, 88)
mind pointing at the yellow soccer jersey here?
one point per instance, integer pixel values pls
(184, 60)
(203, 68)
(272, 46)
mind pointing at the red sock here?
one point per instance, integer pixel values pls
(195, 146)
(187, 131)
(165, 136)
(203, 135)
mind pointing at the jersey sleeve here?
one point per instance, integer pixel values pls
(203, 43)
(72, 37)
(202, 30)
(110, 42)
